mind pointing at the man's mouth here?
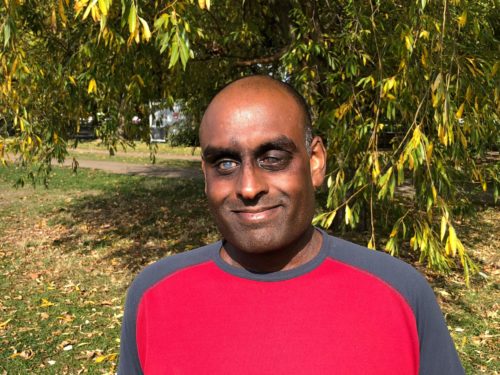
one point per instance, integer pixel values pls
(256, 214)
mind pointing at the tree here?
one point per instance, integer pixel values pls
(405, 92)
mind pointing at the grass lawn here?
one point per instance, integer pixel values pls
(68, 253)
(137, 159)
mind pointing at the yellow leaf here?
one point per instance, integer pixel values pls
(437, 82)
(348, 214)
(107, 357)
(371, 245)
(428, 151)
(62, 13)
(146, 33)
(90, 7)
(468, 94)
(202, 4)
(4, 324)
(408, 43)
(53, 20)
(412, 242)
(46, 303)
(376, 169)
(103, 7)
(463, 140)
(423, 59)
(453, 241)
(462, 19)
(494, 69)
(434, 192)
(424, 34)
(208, 4)
(391, 83)
(72, 79)
(330, 219)
(443, 226)
(92, 86)
(460, 111)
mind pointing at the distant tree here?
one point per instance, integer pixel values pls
(406, 93)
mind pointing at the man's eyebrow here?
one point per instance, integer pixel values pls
(214, 153)
(281, 143)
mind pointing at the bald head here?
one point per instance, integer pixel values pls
(260, 86)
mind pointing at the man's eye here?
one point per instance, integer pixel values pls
(274, 162)
(226, 166)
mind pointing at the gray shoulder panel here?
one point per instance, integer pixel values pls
(129, 359)
(437, 351)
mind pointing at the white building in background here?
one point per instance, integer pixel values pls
(161, 119)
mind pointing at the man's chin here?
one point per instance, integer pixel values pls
(257, 241)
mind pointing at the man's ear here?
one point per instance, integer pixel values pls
(203, 168)
(317, 162)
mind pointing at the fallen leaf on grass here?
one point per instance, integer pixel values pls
(107, 357)
(33, 275)
(25, 354)
(66, 318)
(4, 324)
(44, 316)
(46, 303)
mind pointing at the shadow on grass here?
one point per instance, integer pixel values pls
(138, 220)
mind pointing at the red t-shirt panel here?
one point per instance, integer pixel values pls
(335, 319)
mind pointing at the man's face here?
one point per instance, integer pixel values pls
(259, 177)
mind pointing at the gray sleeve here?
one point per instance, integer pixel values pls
(129, 358)
(437, 350)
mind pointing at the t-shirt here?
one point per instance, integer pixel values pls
(349, 310)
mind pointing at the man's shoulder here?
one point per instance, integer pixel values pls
(383, 267)
(159, 270)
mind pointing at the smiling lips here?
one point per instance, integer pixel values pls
(256, 214)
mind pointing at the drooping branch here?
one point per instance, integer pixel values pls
(261, 60)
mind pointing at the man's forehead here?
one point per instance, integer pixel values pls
(237, 108)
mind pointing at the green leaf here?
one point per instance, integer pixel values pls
(6, 33)
(184, 52)
(174, 53)
(132, 18)
(162, 21)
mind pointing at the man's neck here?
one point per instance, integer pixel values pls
(292, 256)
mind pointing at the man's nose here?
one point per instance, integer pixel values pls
(251, 183)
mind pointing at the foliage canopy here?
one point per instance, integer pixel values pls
(406, 92)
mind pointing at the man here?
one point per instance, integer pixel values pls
(276, 295)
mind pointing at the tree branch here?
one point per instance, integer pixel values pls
(261, 60)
